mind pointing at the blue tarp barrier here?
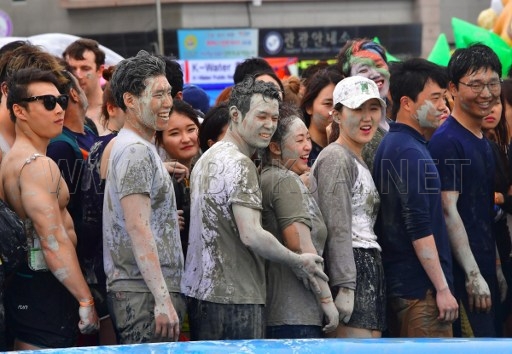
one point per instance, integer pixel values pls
(306, 346)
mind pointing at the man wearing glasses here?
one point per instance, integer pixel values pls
(48, 296)
(466, 168)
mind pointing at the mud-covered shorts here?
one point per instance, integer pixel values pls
(133, 315)
(370, 295)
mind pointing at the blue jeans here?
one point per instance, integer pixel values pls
(293, 332)
(212, 321)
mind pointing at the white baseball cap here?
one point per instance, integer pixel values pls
(353, 91)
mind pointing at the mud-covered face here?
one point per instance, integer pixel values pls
(260, 122)
(357, 126)
(376, 70)
(430, 106)
(295, 147)
(155, 103)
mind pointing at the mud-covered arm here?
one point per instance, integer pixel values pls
(479, 295)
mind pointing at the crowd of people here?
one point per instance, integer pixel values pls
(359, 200)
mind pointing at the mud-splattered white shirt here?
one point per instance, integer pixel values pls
(136, 168)
(349, 201)
(219, 267)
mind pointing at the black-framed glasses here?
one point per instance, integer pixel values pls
(49, 101)
(477, 87)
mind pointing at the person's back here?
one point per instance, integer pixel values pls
(70, 150)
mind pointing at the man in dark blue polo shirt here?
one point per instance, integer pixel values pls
(411, 229)
(466, 168)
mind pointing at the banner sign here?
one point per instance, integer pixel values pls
(218, 44)
(325, 42)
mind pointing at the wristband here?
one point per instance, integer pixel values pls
(87, 303)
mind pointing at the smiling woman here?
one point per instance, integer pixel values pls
(181, 143)
(349, 202)
(293, 217)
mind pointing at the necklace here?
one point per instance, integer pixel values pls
(113, 131)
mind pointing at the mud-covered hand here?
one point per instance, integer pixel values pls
(167, 323)
(331, 314)
(89, 321)
(308, 268)
(345, 304)
(502, 283)
(479, 296)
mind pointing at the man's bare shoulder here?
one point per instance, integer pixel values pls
(23, 169)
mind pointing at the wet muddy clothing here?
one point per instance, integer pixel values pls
(466, 165)
(136, 168)
(349, 202)
(285, 201)
(219, 267)
(411, 208)
(214, 321)
(133, 315)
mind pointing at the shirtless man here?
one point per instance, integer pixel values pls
(225, 272)
(44, 295)
(87, 62)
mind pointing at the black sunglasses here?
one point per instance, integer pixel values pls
(49, 101)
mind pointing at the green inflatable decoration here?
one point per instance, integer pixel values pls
(466, 34)
(440, 53)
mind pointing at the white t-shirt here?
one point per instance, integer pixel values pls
(136, 168)
(219, 267)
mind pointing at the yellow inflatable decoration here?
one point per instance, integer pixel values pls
(498, 18)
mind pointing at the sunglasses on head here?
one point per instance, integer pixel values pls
(49, 101)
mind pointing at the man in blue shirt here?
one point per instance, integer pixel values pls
(466, 167)
(411, 229)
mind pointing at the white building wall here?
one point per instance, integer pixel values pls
(39, 16)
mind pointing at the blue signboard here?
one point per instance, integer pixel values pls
(217, 44)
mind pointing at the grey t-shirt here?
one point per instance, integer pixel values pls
(136, 168)
(219, 267)
(286, 200)
(349, 201)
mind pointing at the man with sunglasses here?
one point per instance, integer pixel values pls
(466, 169)
(48, 296)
